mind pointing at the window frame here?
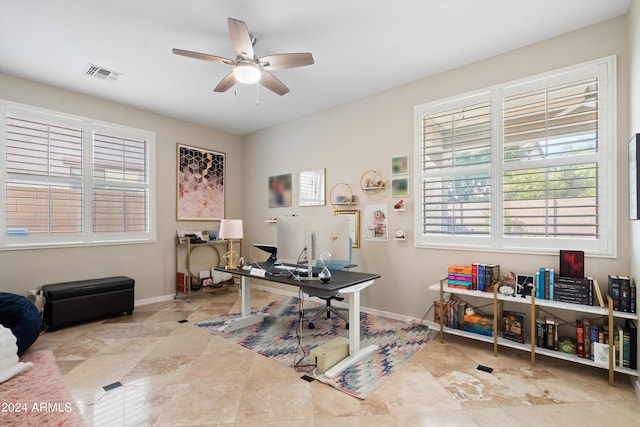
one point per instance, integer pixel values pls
(87, 236)
(606, 243)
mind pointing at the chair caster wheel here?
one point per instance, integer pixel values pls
(311, 325)
(347, 325)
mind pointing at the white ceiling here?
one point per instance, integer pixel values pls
(360, 47)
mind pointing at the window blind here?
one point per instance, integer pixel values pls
(550, 180)
(456, 163)
(43, 184)
(120, 184)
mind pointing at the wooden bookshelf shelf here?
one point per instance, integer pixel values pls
(533, 305)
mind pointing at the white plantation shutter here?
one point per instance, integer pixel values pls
(73, 181)
(550, 146)
(44, 183)
(526, 166)
(456, 161)
(120, 184)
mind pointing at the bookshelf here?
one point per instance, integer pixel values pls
(533, 304)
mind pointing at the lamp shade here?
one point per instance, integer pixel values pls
(231, 229)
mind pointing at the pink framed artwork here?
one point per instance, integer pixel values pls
(200, 184)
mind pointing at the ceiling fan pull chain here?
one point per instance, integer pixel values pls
(257, 95)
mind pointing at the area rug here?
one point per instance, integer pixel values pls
(38, 396)
(277, 338)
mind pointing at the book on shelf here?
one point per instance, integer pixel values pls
(594, 331)
(479, 324)
(614, 290)
(491, 277)
(626, 348)
(513, 327)
(572, 263)
(601, 354)
(474, 276)
(552, 339)
(481, 276)
(632, 326)
(572, 290)
(579, 338)
(625, 293)
(632, 298)
(586, 326)
(618, 338)
(541, 333)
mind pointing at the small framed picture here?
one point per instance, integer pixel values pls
(524, 284)
(354, 225)
(400, 165)
(400, 187)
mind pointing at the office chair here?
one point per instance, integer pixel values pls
(329, 296)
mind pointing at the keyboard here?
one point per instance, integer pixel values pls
(290, 268)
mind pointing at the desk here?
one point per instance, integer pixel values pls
(345, 281)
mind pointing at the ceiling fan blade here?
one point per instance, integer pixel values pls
(226, 83)
(203, 56)
(272, 83)
(286, 60)
(240, 38)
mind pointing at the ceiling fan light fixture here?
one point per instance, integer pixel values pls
(247, 73)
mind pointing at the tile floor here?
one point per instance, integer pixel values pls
(176, 374)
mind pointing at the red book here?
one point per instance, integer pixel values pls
(580, 338)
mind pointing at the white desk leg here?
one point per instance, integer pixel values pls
(246, 318)
(356, 353)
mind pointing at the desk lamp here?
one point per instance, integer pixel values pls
(231, 229)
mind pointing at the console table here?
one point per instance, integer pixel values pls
(217, 247)
(346, 282)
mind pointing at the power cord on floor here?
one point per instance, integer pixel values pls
(300, 351)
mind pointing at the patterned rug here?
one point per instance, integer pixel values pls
(276, 337)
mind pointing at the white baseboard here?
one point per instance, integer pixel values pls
(257, 287)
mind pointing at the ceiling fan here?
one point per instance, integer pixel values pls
(248, 68)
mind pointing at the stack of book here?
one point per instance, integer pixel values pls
(547, 333)
(459, 276)
(574, 290)
(451, 312)
(623, 293)
(485, 277)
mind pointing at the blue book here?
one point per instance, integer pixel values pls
(551, 280)
(481, 278)
(539, 293)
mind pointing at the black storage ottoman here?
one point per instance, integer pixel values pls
(84, 300)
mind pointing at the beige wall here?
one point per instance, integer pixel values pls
(151, 265)
(349, 139)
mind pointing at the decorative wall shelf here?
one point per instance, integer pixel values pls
(341, 196)
(372, 182)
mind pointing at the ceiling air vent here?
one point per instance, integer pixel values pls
(102, 73)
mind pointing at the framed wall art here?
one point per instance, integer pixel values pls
(200, 184)
(400, 187)
(400, 165)
(280, 192)
(311, 187)
(376, 222)
(354, 225)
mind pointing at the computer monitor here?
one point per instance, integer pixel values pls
(308, 238)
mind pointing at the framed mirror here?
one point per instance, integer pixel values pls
(311, 186)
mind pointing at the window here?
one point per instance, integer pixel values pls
(72, 181)
(527, 166)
